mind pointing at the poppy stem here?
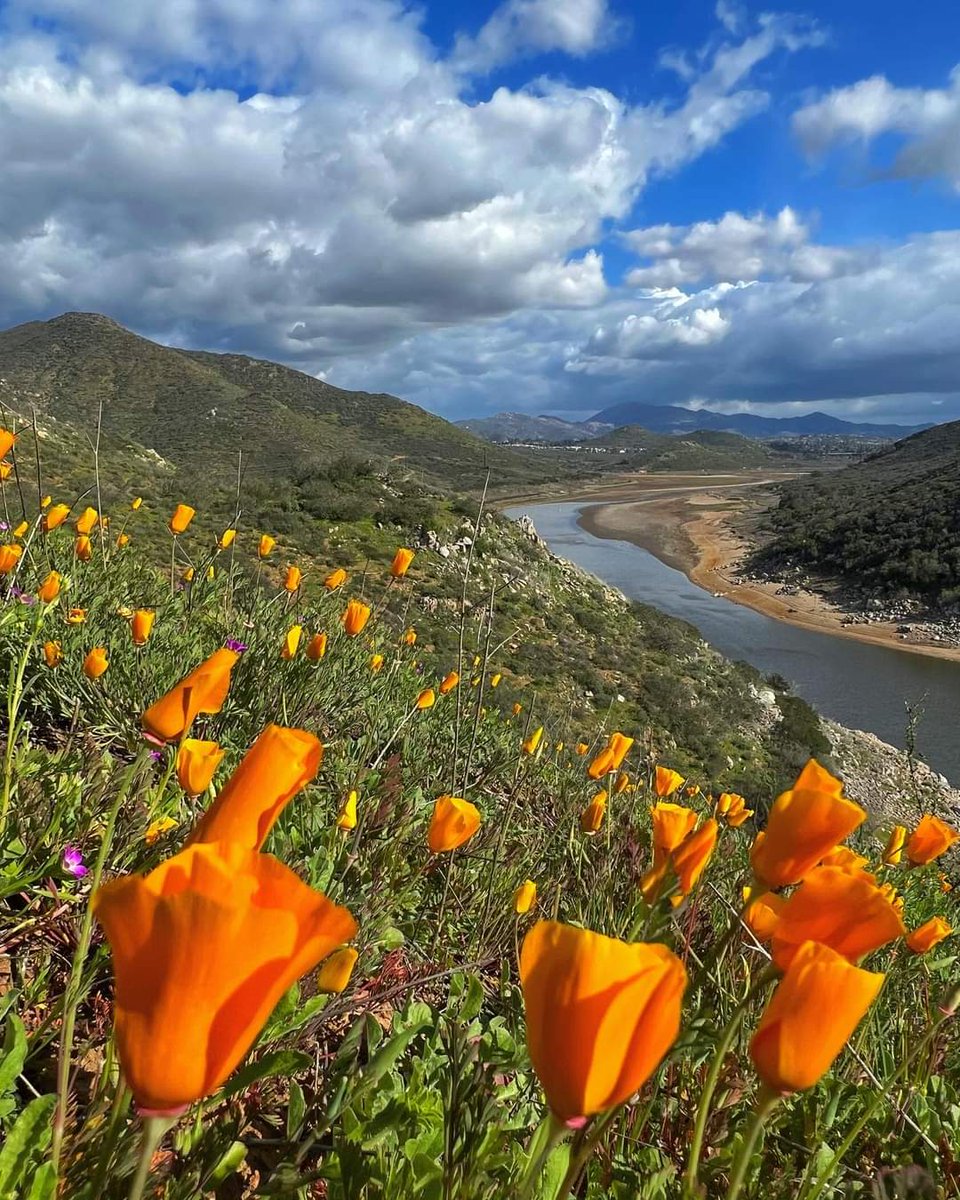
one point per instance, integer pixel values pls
(154, 1129)
(766, 1103)
(549, 1134)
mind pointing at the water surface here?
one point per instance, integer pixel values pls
(858, 684)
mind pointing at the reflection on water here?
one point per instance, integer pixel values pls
(859, 685)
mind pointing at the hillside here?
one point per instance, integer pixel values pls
(665, 418)
(702, 450)
(199, 409)
(890, 525)
(524, 427)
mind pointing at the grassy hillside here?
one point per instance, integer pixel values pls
(890, 524)
(702, 450)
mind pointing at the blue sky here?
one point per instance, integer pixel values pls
(541, 205)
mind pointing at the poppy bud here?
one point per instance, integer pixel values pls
(335, 972)
(183, 514)
(347, 819)
(355, 617)
(21, 529)
(293, 579)
(449, 682)
(931, 933)
(893, 850)
(141, 625)
(531, 743)
(931, 838)
(454, 822)
(196, 763)
(401, 563)
(426, 699)
(592, 816)
(291, 642)
(136, 502)
(525, 897)
(317, 647)
(335, 579)
(265, 545)
(226, 539)
(95, 663)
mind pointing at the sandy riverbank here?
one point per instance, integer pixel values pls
(688, 527)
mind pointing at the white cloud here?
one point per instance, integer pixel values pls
(927, 121)
(519, 28)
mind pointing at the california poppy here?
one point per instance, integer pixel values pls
(355, 617)
(666, 781)
(622, 783)
(931, 838)
(808, 1019)
(893, 850)
(7, 440)
(592, 816)
(601, 764)
(21, 529)
(619, 746)
(196, 763)
(347, 819)
(95, 663)
(335, 971)
(54, 517)
(335, 579)
(141, 625)
(252, 926)
(525, 897)
(226, 539)
(52, 654)
(530, 743)
(183, 514)
(291, 642)
(293, 579)
(123, 539)
(76, 616)
(401, 562)
(454, 821)
(601, 1014)
(931, 933)
(426, 699)
(671, 824)
(449, 682)
(136, 502)
(202, 691)
(9, 557)
(316, 647)
(843, 856)
(495, 679)
(762, 914)
(410, 637)
(278, 764)
(87, 521)
(376, 663)
(845, 910)
(805, 823)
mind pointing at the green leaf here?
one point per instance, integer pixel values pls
(267, 1066)
(28, 1137)
(14, 1053)
(296, 1110)
(44, 1183)
(229, 1162)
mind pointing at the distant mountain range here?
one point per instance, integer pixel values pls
(665, 418)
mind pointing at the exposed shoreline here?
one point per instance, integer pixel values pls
(685, 525)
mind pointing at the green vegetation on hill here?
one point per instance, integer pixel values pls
(890, 524)
(702, 450)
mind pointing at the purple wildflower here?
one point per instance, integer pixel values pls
(236, 645)
(73, 861)
(156, 755)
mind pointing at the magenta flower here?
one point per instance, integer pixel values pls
(73, 861)
(236, 646)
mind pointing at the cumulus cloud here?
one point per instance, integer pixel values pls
(519, 28)
(926, 122)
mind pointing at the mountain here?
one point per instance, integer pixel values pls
(702, 450)
(522, 427)
(199, 409)
(672, 419)
(890, 524)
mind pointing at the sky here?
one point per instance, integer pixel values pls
(489, 205)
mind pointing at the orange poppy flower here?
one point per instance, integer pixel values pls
(355, 617)
(601, 764)
(226, 539)
(671, 824)
(666, 781)
(83, 548)
(335, 579)
(601, 1014)
(805, 823)
(278, 764)
(95, 663)
(9, 557)
(376, 663)
(317, 647)
(401, 562)
(449, 682)
(762, 914)
(123, 539)
(931, 838)
(87, 521)
(347, 818)
(54, 517)
(291, 642)
(525, 897)
(76, 616)
(454, 822)
(183, 514)
(931, 933)
(202, 691)
(249, 924)
(334, 974)
(808, 1019)
(530, 744)
(592, 816)
(893, 851)
(21, 529)
(426, 699)
(52, 654)
(293, 579)
(842, 909)
(196, 763)
(265, 545)
(141, 625)
(7, 440)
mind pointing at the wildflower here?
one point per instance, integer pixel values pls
(601, 764)
(355, 617)
(83, 548)
(226, 539)
(187, 575)
(844, 910)
(686, 860)
(87, 521)
(141, 625)
(665, 781)
(622, 784)
(235, 645)
(671, 824)
(265, 545)
(945, 884)
(525, 897)
(893, 851)
(183, 514)
(316, 647)
(581, 748)
(805, 823)
(426, 699)
(203, 690)
(95, 663)
(76, 616)
(73, 862)
(532, 742)
(601, 1015)
(196, 763)
(763, 913)
(7, 440)
(211, 572)
(843, 856)
(278, 765)
(21, 529)
(291, 642)
(254, 926)
(49, 590)
(52, 654)
(334, 974)
(45, 501)
(477, 660)
(123, 539)
(6, 470)
(495, 679)
(156, 829)
(9, 557)
(692, 790)
(347, 818)
(559, 747)
(728, 802)
(454, 822)
(619, 746)
(592, 816)
(136, 502)
(517, 709)
(816, 1007)
(931, 838)
(931, 933)
(410, 637)
(449, 682)
(335, 579)
(401, 562)
(54, 517)
(293, 579)
(376, 663)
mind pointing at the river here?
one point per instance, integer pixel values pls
(860, 685)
